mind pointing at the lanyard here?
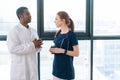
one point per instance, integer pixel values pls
(63, 41)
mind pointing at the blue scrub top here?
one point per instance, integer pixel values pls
(63, 64)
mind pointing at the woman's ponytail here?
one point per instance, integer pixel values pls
(71, 24)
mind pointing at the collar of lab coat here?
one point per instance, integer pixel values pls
(23, 27)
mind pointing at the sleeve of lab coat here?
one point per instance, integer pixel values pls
(15, 47)
(35, 35)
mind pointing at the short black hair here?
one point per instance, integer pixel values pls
(20, 10)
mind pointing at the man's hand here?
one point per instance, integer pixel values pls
(37, 43)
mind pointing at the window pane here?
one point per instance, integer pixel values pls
(106, 17)
(81, 63)
(75, 9)
(4, 61)
(106, 60)
(8, 18)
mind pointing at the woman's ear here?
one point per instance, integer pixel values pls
(63, 20)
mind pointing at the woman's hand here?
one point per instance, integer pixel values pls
(56, 50)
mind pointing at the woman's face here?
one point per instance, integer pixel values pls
(58, 21)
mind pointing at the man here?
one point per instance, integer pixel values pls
(23, 42)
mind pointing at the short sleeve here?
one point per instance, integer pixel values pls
(73, 39)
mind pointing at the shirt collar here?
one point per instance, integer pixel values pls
(23, 27)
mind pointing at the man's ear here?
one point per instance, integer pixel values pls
(20, 16)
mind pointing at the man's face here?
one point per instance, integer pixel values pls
(26, 16)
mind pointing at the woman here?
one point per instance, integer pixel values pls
(66, 47)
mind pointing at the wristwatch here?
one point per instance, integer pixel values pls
(65, 51)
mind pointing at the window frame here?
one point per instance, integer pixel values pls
(48, 35)
(3, 37)
(81, 36)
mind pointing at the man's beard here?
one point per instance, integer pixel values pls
(29, 20)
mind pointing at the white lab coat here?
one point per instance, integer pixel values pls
(23, 53)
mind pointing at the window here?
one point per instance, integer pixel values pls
(81, 63)
(8, 17)
(106, 60)
(106, 55)
(76, 10)
(79, 12)
(96, 25)
(106, 18)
